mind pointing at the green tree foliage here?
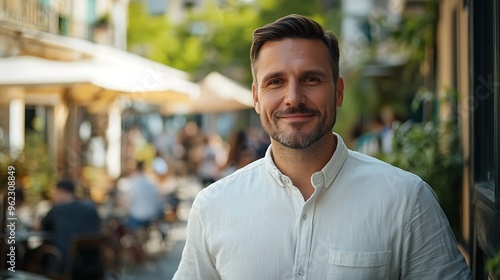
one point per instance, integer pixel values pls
(271, 10)
(154, 37)
(417, 32)
(493, 266)
(227, 39)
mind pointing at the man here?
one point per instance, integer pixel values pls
(311, 208)
(144, 203)
(68, 218)
(144, 206)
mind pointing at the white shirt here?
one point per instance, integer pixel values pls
(144, 199)
(365, 220)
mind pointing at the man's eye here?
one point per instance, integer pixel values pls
(274, 82)
(312, 79)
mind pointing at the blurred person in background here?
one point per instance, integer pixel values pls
(240, 153)
(68, 217)
(143, 200)
(259, 140)
(167, 188)
(191, 141)
(311, 208)
(209, 169)
(144, 206)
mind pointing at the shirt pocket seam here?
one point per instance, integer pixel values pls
(360, 259)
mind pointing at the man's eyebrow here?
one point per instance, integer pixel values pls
(319, 73)
(272, 75)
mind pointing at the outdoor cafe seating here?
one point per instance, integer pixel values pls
(85, 259)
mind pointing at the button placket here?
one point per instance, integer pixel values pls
(304, 238)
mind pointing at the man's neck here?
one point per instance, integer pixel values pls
(301, 164)
(67, 200)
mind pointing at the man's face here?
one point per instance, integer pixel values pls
(294, 91)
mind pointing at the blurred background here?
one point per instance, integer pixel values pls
(90, 87)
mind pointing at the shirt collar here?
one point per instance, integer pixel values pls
(272, 169)
(326, 175)
(333, 167)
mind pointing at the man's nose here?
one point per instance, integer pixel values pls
(294, 94)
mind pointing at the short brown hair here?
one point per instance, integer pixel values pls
(295, 27)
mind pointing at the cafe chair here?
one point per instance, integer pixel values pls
(46, 254)
(86, 257)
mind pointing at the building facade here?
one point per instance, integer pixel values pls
(468, 59)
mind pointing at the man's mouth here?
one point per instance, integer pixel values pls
(295, 114)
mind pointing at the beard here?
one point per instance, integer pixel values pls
(298, 139)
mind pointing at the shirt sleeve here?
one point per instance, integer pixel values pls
(197, 263)
(430, 248)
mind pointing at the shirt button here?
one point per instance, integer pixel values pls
(304, 217)
(301, 272)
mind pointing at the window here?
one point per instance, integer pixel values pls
(496, 86)
(484, 96)
(484, 25)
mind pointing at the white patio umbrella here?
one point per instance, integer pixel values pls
(218, 93)
(94, 74)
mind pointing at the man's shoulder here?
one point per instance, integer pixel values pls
(79, 206)
(141, 183)
(76, 204)
(245, 171)
(375, 168)
(234, 185)
(61, 207)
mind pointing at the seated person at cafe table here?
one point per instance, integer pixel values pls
(68, 217)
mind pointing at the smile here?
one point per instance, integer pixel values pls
(296, 117)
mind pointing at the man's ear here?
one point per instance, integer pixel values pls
(255, 99)
(339, 92)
